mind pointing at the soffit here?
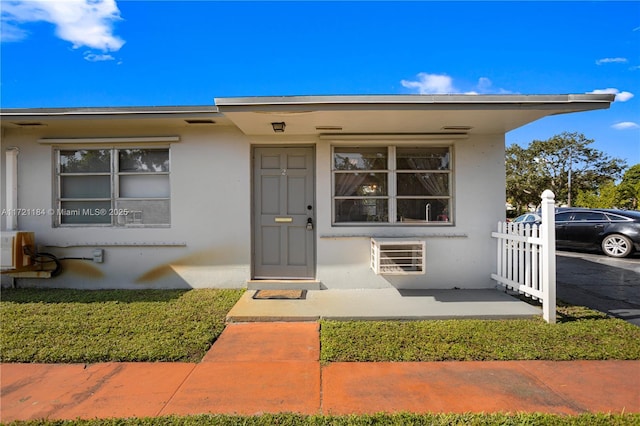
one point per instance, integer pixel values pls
(113, 119)
(400, 114)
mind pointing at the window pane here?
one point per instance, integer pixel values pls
(359, 158)
(143, 212)
(144, 186)
(434, 210)
(361, 184)
(422, 158)
(85, 212)
(423, 184)
(366, 210)
(85, 161)
(616, 218)
(589, 216)
(85, 186)
(144, 160)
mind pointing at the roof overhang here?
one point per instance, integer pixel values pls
(314, 115)
(401, 114)
(166, 116)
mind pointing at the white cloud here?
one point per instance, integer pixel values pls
(10, 32)
(92, 57)
(82, 22)
(620, 96)
(485, 86)
(611, 61)
(429, 84)
(624, 96)
(624, 125)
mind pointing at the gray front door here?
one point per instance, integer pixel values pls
(283, 203)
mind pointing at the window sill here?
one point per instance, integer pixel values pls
(378, 234)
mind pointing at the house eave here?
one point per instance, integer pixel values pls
(374, 114)
(165, 116)
(313, 115)
(93, 111)
(385, 101)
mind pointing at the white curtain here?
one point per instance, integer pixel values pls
(348, 183)
(434, 183)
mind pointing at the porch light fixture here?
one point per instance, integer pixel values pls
(278, 127)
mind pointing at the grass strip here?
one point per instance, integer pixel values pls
(54, 325)
(400, 419)
(580, 334)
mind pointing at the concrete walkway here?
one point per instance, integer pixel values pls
(382, 304)
(258, 368)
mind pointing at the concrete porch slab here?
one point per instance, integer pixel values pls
(284, 285)
(384, 304)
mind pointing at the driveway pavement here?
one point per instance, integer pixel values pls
(599, 282)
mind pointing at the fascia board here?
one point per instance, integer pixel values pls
(97, 113)
(386, 100)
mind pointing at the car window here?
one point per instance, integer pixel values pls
(527, 217)
(616, 218)
(589, 216)
(563, 217)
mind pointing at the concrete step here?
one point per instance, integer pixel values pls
(283, 285)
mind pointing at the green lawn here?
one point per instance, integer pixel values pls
(579, 334)
(111, 325)
(181, 325)
(402, 419)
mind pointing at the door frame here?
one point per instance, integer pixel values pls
(313, 260)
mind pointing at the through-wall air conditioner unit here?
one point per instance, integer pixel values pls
(13, 254)
(397, 257)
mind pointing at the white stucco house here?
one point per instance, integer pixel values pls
(317, 192)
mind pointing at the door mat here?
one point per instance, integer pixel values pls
(280, 295)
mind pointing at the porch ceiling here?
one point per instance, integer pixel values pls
(426, 114)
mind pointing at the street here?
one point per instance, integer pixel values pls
(600, 282)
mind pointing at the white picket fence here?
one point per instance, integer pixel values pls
(526, 258)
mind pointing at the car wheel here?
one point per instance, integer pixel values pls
(617, 245)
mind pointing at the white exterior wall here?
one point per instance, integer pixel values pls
(211, 215)
(462, 255)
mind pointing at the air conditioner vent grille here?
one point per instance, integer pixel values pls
(395, 257)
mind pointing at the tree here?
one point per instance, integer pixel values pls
(564, 163)
(522, 179)
(629, 188)
(605, 197)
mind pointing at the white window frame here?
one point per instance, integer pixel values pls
(118, 214)
(392, 197)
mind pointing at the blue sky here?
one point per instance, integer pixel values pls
(76, 53)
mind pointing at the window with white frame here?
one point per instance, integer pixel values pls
(392, 184)
(112, 187)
